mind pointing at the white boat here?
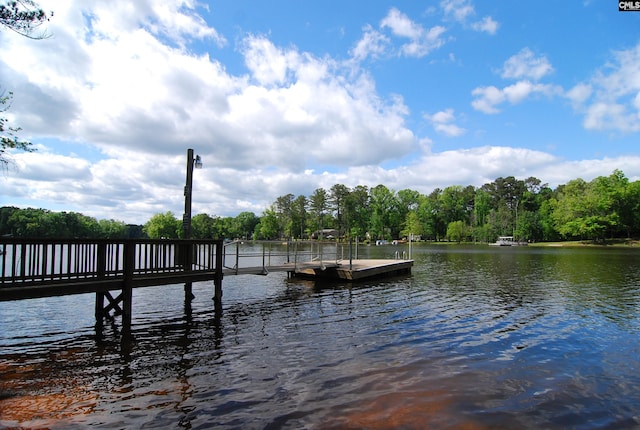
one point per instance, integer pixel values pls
(508, 241)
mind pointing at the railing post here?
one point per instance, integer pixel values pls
(237, 256)
(101, 263)
(350, 253)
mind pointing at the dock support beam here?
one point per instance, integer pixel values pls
(127, 289)
(217, 282)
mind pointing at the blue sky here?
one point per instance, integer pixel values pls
(285, 97)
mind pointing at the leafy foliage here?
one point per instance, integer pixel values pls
(43, 223)
(23, 17)
(164, 225)
(8, 137)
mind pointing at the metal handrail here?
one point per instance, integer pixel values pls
(267, 253)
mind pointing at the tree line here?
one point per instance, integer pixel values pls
(606, 207)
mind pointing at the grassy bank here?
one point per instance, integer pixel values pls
(578, 243)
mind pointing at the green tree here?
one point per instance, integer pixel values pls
(299, 216)
(383, 203)
(284, 212)
(431, 215)
(203, 227)
(318, 207)
(584, 210)
(163, 225)
(8, 135)
(453, 204)
(358, 207)
(407, 202)
(268, 227)
(244, 224)
(457, 231)
(23, 17)
(630, 217)
(413, 225)
(338, 195)
(112, 229)
(6, 226)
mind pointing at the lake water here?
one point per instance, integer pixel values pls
(476, 338)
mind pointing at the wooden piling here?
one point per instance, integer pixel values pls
(217, 280)
(127, 288)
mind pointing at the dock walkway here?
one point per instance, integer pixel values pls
(39, 268)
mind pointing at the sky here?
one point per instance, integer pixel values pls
(286, 96)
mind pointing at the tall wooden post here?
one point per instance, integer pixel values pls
(217, 295)
(127, 288)
(186, 219)
(101, 271)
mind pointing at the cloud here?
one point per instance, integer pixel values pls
(487, 99)
(462, 10)
(421, 40)
(459, 10)
(401, 25)
(140, 97)
(372, 44)
(487, 25)
(175, 20)
(610, 99)
(526, 65)
(443, 123)
(123, 83)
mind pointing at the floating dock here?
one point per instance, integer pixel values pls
(350, 271)
(355, 270)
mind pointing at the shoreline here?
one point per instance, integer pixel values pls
(608, 243)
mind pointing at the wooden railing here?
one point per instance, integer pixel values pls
(42, 267)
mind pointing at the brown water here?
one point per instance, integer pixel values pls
(477, 338)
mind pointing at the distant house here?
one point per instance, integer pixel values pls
(327, 233)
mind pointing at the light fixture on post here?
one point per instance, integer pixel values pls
(186, 218)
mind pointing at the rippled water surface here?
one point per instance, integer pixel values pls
(476, 338)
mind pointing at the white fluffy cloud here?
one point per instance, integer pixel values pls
(464, 10)
(421, 40)
(117, 96)
(611, 98)
(525, 67)
(443, 123)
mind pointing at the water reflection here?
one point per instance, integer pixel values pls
(475, 338)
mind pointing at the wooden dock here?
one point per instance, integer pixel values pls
(357, 270)
(37, 268)
(349, 271)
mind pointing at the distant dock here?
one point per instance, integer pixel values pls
(357, 270)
